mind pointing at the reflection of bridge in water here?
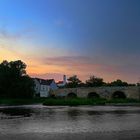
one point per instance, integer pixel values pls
(103, 92)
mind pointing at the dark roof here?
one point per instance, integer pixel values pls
(44, 82)
(60, 82)
(49, 81)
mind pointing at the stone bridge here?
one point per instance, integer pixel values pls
(103, 92)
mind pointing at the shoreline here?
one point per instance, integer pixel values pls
(92, 102)
(69, 102)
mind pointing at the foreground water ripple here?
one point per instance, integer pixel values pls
(38, 119)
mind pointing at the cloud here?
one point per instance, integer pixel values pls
(78, 64)
(67, 60)
(16, 35)
(17, 44)
(56, 76)
(85, 66)
(4, 34)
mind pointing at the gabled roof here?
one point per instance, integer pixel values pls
(49, 81)
(44, 82)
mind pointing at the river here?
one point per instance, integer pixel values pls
(38, 122)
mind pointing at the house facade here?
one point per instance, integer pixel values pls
(43, 87)
(51, 83)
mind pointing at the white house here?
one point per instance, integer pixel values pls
(43, 87)
(51, 83)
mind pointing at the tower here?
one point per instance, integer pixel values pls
(64, 79)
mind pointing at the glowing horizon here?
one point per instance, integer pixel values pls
(72, 37)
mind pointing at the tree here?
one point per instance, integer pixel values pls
(94, 81)
(14, 82)
(73, 81)
(118, 82)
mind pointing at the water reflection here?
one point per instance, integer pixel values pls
(68, 119)
(23, 112)
(44, 113)
(91, 113)
(74, 113)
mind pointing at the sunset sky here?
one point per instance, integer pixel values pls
(82, 37)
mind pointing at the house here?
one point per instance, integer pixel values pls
(43, 87)
(51, 83)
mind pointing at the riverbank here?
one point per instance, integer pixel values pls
(22, 101)
(69, 102)
(86, 101)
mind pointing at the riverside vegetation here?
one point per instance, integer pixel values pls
(88, 101)
(17, 88)
(19, 101)
(69, 101)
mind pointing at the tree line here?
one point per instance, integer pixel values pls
(94, 81)
(14, 81)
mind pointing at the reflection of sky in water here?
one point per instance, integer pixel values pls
(38, 118)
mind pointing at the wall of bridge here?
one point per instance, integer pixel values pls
(104, 92)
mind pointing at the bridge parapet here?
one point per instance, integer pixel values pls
(104, 92)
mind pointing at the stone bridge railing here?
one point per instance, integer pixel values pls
(104, 92)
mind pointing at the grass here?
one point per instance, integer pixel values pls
(73, 102)
(21, 101)
(68, 101)
(86, 101)
(128, 100)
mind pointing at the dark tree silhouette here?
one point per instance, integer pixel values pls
(94, 81)
(73, 81)
(118, 82)
(14, 82)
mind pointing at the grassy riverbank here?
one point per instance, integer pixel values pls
(85, 101)
(68, 102)
(21, 101)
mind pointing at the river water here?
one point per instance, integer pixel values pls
(37, 122)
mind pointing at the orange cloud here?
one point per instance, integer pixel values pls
(81, 65)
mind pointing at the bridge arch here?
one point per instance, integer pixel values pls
(119, 95)
(71, 95)
(93, 95)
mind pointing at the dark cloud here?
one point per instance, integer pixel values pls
(56, 76)
(6, 34)
(86, 66)
(67, 60)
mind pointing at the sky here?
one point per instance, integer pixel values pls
(73, 37)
